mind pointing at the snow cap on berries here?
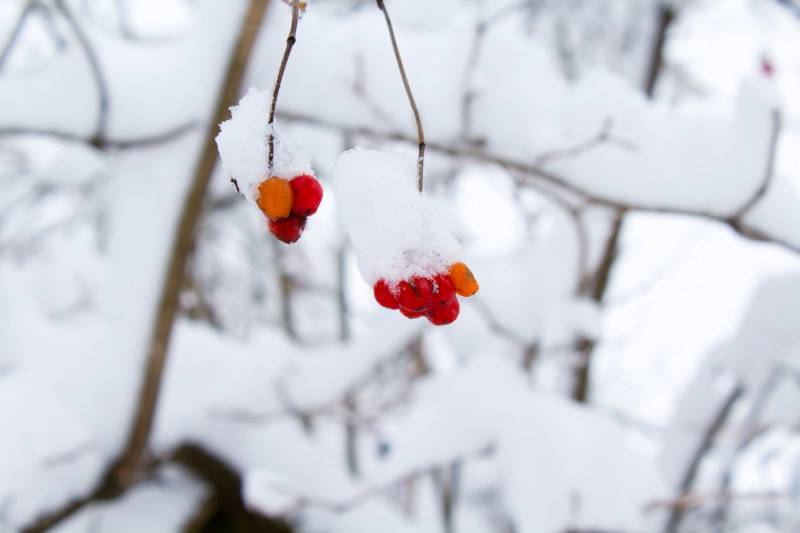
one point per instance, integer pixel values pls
(243, 145)
(396, 232)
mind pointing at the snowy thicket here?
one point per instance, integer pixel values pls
(630, 209)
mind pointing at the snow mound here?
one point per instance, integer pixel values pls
(243, 145)
(396, 231)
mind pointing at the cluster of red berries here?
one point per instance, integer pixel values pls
(287, 204)
(434, 298)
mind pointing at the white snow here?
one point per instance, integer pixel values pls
(243, 146)
(396, 231)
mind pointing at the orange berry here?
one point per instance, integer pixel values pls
(275, 198)
(464, 281)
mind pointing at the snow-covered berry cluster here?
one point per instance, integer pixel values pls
(434, 298)
(285, 189)
(288, 203)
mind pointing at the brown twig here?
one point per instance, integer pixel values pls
(768, 171)
(677, 512)
(98, 138)
(666, 16)
(478, 38)
(603, 136)
(596, 289)
(421, 137)
(597, 285)
(290, 40)
(108, 144)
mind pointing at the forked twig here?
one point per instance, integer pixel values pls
(290, 40)
(98, 139)
(421, 158)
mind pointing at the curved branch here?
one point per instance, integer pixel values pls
(108, 144)
(748, 205)
(290, 40)
(420, 135)
(98, 139)
(12, 40)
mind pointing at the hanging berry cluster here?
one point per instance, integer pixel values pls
(434, 298)
(403, 243)
(288, 203)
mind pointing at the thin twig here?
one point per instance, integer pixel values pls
(342, 506)
(768, 171)
(595, 288)
(694, 499)
(97, 74)
(107, 144)
(677, 512)
(478, 38)
(421, 158)
(12, 40)
(751, 428)
(290, 40)
(603, 136)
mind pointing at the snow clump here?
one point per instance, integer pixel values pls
(396, 231)
(243, 146)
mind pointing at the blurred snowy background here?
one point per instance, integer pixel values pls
(624, 178)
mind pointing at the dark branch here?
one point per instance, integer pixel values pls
(666, 16)
(108, 144)
(768, 172)
(97, 74)
(677, 512)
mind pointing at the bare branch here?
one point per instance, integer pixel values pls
(713, 430)
(690, 500)
(768, 172)
(750, 429)
(12, 40)
(666, 16)
(421, 137)
(97, 74)
(290, 40)
(474, 55)
(600, 138)
(342, 506)
(596, 289)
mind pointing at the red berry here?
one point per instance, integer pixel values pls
(384, 296)
(441, 315)
(411, 314)
(767, 67)
(416, 294)
(289, 229)
(445, 290)
(307, 195)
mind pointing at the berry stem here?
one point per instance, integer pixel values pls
(290, 40)
(421, 158)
